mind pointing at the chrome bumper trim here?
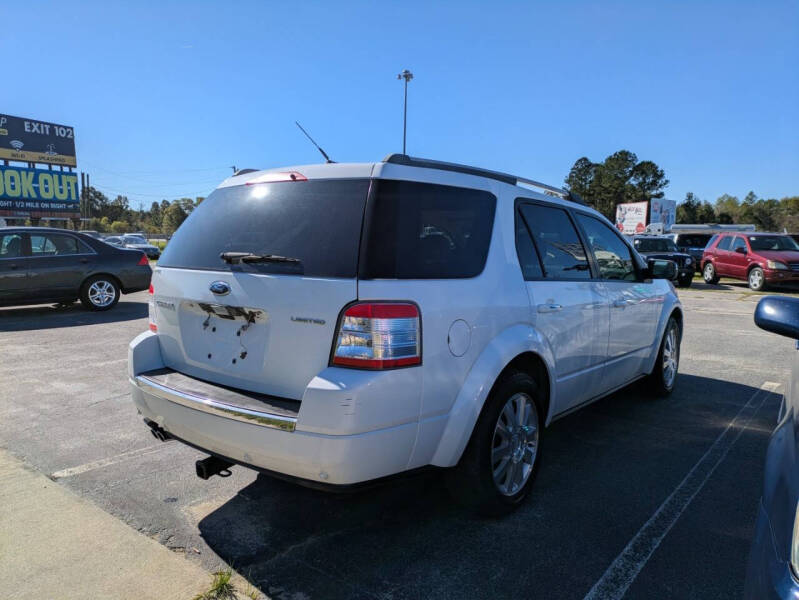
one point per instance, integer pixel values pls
(213, 407)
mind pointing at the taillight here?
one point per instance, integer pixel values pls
(151, 309)
(143, 262)
(379, 335)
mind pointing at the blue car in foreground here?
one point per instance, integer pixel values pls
(773, 570)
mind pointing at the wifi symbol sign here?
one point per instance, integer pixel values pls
(16, 145)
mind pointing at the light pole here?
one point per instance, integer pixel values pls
(407, 76)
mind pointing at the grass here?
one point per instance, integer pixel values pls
(221, 588)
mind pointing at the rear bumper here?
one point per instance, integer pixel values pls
(350, 428)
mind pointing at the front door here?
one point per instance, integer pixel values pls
(568, 306)
(739, 258)
(634, 303)
(13, 268)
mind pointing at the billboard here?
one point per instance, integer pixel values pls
(631, 218)
(27, 140)
(663, 211)
(23, 191)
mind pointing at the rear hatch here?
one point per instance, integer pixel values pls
(264, 319)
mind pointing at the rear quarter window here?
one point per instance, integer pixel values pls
(426, 231)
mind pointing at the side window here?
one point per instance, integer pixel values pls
(562, 253)
(10, 245)
(611, 254)
(54, 244)
(528, 255)
(738, 243)
(426, 231)
(724, 243)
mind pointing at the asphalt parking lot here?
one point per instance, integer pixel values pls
(636, 497)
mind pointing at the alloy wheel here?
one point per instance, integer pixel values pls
(515, 444)
(671, 357)
(101, 293)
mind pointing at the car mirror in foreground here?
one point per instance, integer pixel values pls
(662, 269)
(778, 314)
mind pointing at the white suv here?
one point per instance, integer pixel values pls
(341, 323)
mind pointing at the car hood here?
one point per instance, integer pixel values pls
(781, 255)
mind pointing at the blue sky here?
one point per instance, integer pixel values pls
(165, 96)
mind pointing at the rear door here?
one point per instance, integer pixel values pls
(722, 254)
(569, 307)
(59, 264)
(263, 326)
(634, 304)
(13, 267)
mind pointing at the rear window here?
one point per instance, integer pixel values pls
(317, 222)
(426, 231)
(693, 241)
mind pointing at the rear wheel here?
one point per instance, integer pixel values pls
(99, 293)
(664, 375)
(498, 467)
(757, 280)
(709, 273)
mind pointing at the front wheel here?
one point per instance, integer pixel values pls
(709, 274)
(99, 293)
(664, 375)
(498, 467)
(757, 280)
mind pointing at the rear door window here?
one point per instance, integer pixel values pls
(724, 243)
(317, 222)
(55, 244)
(562, 253)
(529, 261)
(426, 231)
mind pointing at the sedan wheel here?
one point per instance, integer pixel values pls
(99, 293)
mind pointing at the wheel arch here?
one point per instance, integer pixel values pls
(520, 347)
(111, 276)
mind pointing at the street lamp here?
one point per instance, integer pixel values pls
(407, 76)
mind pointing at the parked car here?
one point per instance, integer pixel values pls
(114, 241)
(132, 240)
(92, 233)
(761, 259)
(42, 265)
(661, 246)
(341, 323)
(773, 568)
(692, 244)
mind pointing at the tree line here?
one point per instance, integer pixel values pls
(622, 178)
(117, 216)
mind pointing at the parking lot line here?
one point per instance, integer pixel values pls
(104, 462)
(625, 568)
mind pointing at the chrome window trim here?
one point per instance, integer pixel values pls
(214, 407)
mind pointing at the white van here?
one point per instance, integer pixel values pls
(342, 323)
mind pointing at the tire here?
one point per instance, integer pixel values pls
(709, 274)
(472, 482)
(684, 282)
(662, 379)
(100, 292)
(756, 280)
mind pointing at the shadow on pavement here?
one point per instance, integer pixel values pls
(605, 470)
(50, 316)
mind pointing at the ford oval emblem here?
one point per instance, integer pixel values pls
(220, 288)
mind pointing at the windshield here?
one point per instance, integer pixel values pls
(134, 239)
(772, 242)
(317, 222)
(654, 245)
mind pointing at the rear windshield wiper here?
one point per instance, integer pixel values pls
(248, 257)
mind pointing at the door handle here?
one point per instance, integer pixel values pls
(549, 308)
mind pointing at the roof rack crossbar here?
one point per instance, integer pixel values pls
(412, 161)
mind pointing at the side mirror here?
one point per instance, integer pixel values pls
(740, 250)
(661, 269)
(778, 314)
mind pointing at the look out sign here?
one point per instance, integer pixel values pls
(37, 189)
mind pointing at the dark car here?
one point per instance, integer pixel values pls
(138, 242)
(114, 241)
(692, 244)
(663, 247)
(761, 259)
(773, 569)
(42, 265)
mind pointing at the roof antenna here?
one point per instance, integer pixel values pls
(318, 147)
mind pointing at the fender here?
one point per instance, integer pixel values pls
(461, 420)
(670, 304)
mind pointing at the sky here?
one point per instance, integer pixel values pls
(166, 96)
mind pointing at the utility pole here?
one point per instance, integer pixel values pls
(407, 76)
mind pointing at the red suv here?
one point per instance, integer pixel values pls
(758, 258)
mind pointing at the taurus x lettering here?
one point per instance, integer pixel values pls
(309, 320)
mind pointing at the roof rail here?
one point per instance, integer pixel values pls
(243, 172)
(426, 163)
